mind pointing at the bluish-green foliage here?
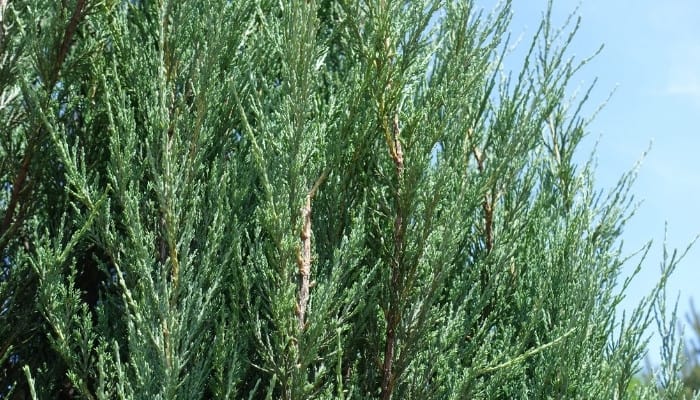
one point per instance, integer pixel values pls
(303, 199)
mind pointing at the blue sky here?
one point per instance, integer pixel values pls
(651, 59)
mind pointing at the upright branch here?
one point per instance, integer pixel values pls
(487, 206)
(487, 203)
(18, 187)
(393, 316)
(21, 184)
(3, 5)
(78, 14)
(396, 149)
(304, 255)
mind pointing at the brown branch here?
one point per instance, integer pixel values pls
(18, 186)
(393, 316)
(397, 149)
(487, 203)
(17, 190)
(304, 254)
(304, 262)
(487, 206)
(78, 14)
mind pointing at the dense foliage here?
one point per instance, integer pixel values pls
(302, 199)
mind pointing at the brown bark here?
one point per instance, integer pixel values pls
(64, 47)
(393, 316)
(304, 255)
(304, 262)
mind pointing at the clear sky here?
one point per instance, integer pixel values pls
(651, 58)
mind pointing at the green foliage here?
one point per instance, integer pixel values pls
(691, 368)
(303, 199)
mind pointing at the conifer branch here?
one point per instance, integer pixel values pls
(67, 40)
(3, 7)
(393, 317)
(412, 264)
(304, 254)
(8, 227)
(522, 357)
(487, 202)
(18, 187)
(487, 205)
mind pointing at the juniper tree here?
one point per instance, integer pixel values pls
(302, 199)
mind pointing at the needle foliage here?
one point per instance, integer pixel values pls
(302, 199)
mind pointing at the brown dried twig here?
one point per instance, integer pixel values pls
(304, 254)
